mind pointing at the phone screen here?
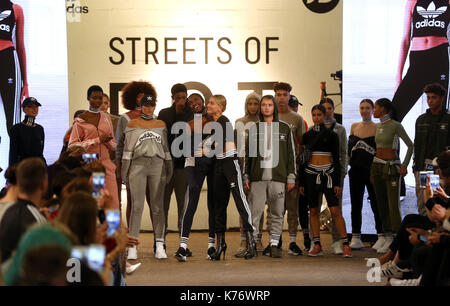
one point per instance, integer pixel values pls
(95, 256)
(89, 157)
(423, 238)
(98, 183)
(113, 219)
(434, 181)
(423, 178)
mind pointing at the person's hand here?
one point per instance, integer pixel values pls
(121, 239)
(101, 233)
(338, 191)
(414, 235)
(45, 211)
(438, 213)
(419, 231)
(247, 186)
(105, 138)
(434, 238)
(323, 85)
(301, 189)
(428, 192)
(403, 171)
(106, 201)
(132, 241)
(24, 94)
(94, 166)
(290, 186)
(441, 193)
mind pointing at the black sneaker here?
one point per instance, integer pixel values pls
(266, 251)
(307, 243)
(188, 252)
(211, 251)
(280, 243)
(294, 249)
(180, 255)
(275, 252)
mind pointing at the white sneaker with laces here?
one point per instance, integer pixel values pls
(132, 268)
(380, 242)
(337, 248)
(392, 270)
(385, 248)
(356, 243)
(405, 282)
(132, 253)
(160, 253)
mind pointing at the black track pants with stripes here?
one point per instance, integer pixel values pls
(228, 177)
(10, 86)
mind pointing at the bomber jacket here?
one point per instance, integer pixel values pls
(431, 139)
(286, 169)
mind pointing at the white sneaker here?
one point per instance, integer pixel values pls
(392, 270)
(356, 243)
(405, 282)
(132, 253)
(160, 253)
(385, 248)
(132, 268)
(380, 242)
(336, 248)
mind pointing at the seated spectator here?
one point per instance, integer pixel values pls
(11, 195)
(415, 228)
(41, 257)
(32, 183)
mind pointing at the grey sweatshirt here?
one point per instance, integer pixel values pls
(140, 142)
(343, 159)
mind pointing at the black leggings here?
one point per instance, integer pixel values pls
(401, 241)
(228, 177)
(195, 176)
(10, 86)
(359, 180)
(303, 209)
(425, 67)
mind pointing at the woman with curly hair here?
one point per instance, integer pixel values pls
(132, 94)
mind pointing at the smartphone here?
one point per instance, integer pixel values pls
(423, 238)
(113, 220)
(89, 157)
(93, 255)
(98, 183)
(434, 181)
(423, 178)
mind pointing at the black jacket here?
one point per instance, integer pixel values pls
(170, 117)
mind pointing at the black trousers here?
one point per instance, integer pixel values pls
(303, 212)
(360, 180)
(437, 268)
(195, 176)
(228, 177)
(425, 67)
(10, 86)
(401, 242)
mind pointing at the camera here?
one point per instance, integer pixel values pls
(337, 75)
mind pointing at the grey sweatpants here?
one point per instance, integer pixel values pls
(179, 184)
(273, 193)
(149, 171)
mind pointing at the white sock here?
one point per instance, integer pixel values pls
(356, 236)
(210, 245)
(273, 242)
(183, 245)
(292, 238)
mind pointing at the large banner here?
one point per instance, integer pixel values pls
(215, 47)
(39, 40)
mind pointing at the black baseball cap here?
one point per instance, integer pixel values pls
(148, 100)
(293, 101)
(30, 101)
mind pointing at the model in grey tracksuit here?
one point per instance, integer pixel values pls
(146, 160)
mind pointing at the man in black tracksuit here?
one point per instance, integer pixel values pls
(432, 136)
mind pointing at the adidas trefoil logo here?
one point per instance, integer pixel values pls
(5, 14)
(430, 13)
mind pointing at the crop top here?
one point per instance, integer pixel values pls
(387, 137)
(430, 18)
(328, 141)
(361, 151)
